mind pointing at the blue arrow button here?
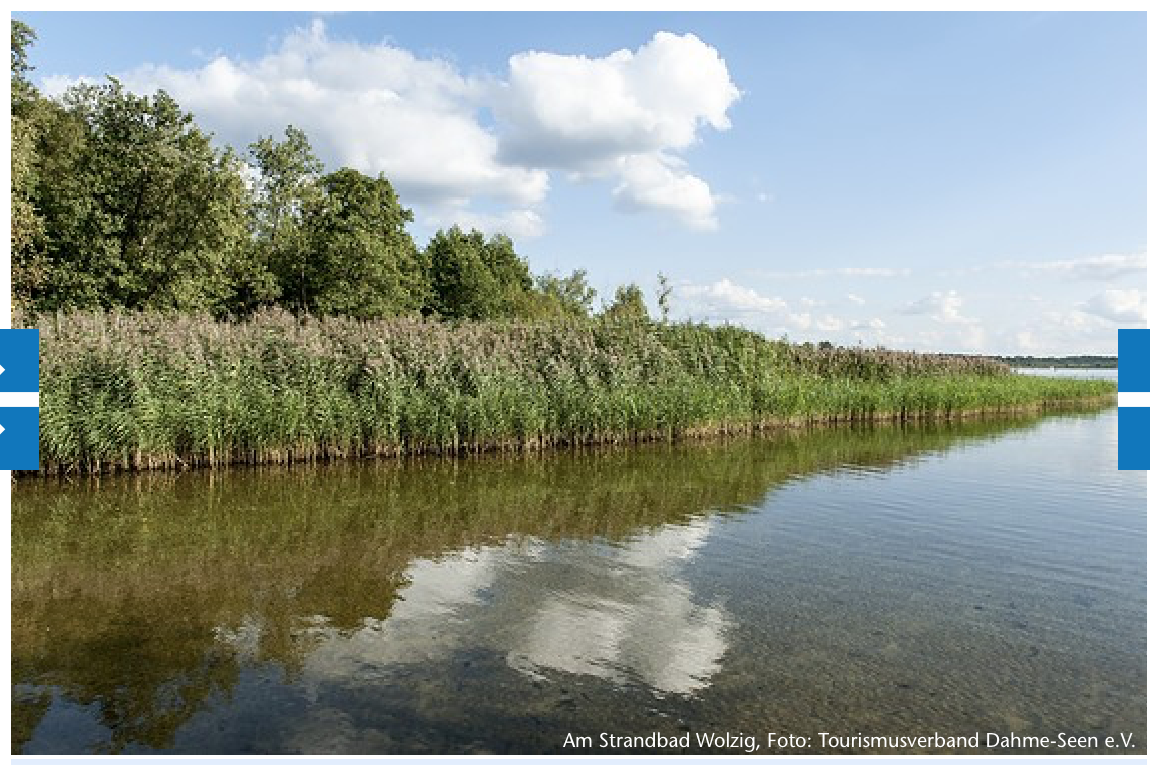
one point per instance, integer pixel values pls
(19, 438)
(19, 395)
(1133, 378)
(19, 360)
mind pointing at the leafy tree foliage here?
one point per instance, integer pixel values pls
(27, 226)
(23, 92)
(476, 278)
(360, 260)
(140, 211)
(285, 182)
(119, 201)
(563, 297)
(628, 305)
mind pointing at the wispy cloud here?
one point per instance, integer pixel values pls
(873, 272)
(519, 223)
(941, 306)
(725, 300)
(829, 323)
(724, 296)
(1105, 267)
(1120, 306)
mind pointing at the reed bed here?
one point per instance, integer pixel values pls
(155, 391)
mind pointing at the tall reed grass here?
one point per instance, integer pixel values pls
(145, 391)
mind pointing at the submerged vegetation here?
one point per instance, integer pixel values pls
(146, 391)
(335, 545)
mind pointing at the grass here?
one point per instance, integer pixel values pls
(148, 391)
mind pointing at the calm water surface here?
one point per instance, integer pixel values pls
(1081, 374)
(984, 577)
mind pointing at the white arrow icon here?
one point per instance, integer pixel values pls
(1, 429)
(1, 370)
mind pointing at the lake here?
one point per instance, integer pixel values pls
(1081, 374)
(986, 578)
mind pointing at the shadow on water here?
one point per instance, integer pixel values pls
(195, 611)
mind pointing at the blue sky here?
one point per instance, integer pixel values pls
(954, 182)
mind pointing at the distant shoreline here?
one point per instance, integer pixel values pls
(1061, 362)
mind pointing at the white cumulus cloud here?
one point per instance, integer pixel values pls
(626, 116)
(377, 108)
(723, 296)
(579, 112)
(726, 301)
(446, 138)
(648, 182)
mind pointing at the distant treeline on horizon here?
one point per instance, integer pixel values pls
(1066, 362)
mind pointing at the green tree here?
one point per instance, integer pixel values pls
(360, 260)
(512, 277)
(140, 210)
(476, 278)
(55, 273)
(628, 305)
(28, 269)
(286, 183)
(28, 265)
(23, 92)
(563, 297)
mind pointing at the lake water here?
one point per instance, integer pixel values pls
(987, 577)
(1081, 374)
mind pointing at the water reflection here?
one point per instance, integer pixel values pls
(1074, 372)
(394, 607)
(626, 615)
(615, 612)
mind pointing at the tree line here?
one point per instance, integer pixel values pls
(120, 201)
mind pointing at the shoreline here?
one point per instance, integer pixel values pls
(762, 428)
(143, 391)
